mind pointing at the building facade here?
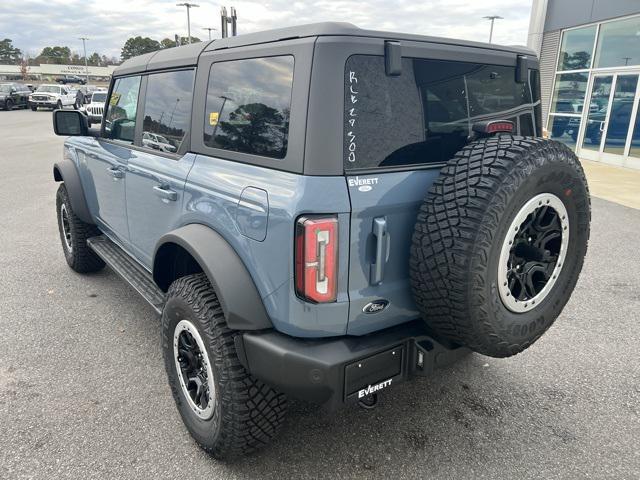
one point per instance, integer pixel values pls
(51, 71)
(590, 75)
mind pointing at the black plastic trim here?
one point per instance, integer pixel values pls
(66, 171)
(314, 370)
(236, 291)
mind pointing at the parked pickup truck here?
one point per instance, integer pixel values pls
(344, 210)
(52, 96)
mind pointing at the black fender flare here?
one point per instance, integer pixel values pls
(66, 171)
(230, 279)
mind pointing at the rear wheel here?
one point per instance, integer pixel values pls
(499, 243)
(227, 411)
(73, 236)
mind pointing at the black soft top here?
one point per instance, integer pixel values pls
(187, 55)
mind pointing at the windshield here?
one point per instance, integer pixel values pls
(99, 97)
(48, 89)
(5, 88)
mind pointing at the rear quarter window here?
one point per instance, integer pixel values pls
(424, 116)
(249, 104)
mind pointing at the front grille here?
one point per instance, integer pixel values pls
(40, 98)
(96, 110)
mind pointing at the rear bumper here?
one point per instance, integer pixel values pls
(339, 370)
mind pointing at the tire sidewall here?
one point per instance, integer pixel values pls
(206, 432)
(545, 174)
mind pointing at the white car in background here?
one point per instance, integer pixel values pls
(52, 96)
(95, 108)
(157, 142)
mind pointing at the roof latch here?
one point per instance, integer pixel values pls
(392, 58)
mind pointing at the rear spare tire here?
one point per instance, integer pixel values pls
(499, 243)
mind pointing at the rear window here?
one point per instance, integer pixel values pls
(424, 115)
(248, 105)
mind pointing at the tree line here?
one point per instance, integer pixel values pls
(62, 55)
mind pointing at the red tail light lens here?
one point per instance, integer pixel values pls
(317, 258)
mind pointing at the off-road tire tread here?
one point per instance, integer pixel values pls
(447, 265)
(252, 412)
(82, 259)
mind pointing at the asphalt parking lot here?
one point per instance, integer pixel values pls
(83, 392)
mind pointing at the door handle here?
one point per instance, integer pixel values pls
(165, 193)
(383, 243)
(116, 172)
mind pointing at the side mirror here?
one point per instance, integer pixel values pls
(70, 123)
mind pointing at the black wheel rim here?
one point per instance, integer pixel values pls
(194, 369)
(65, 227)
(533, 252)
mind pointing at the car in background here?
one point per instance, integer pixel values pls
(52, 96)
(71, 79)
(14, 95)
(95, 109)
(157, 142)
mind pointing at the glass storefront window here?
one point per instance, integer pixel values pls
(597, 112)
(635, 139)
(619, 44)
(620, 116)
(576, 48)
(568, 95)
(564, 129)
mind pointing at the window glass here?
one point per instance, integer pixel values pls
(564, 129)
(576, 48)
(425, 114)
(568, 95)
(167, 110)
(635, 138)
(619, 43)
(120, 121)
(620, 115)
(99, 97)
(248, 105)
(597, 112)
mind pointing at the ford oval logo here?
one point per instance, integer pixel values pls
(376, 306)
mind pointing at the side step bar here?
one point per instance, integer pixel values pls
(130, 270)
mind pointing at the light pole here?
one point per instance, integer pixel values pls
(189, 7)
(492, 18)
(86, 66)
(209, 30)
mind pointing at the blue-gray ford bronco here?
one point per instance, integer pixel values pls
(322, 212)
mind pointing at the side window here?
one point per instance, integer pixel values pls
(120, 121)
(167, 110)
(248, 105)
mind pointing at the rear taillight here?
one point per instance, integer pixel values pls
(317, 258)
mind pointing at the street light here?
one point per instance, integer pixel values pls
(492, 18)
(209, 30)
(86, 66)
(189, 6)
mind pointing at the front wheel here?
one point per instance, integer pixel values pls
(59, 105)
(227, 411)
(74, 234)
(8, 105)
(34, 108)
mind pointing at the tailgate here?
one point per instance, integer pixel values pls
(384, 209)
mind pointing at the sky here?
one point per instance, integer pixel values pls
(34, 24)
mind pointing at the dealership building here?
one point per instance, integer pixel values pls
(590, 75)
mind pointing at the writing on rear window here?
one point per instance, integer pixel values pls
(351, 117)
